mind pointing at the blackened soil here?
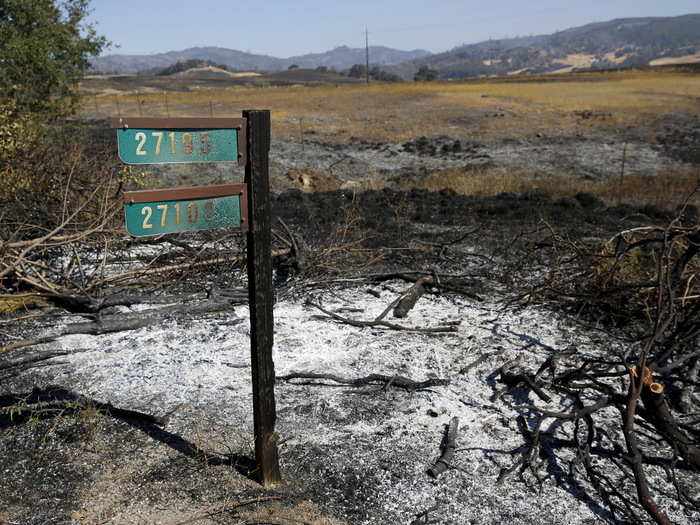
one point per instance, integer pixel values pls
(391, 218)
(681, 140)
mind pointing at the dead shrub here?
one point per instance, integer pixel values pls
(58, 189)
(641, 287)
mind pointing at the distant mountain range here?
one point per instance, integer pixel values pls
(623, 42)
(618, 43)
(342, 57)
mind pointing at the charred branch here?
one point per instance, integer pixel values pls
(513, 380)
(448, 450)
(385, 381)
(410, 298)
(379, 322)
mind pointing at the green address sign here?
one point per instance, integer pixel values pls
(164, 141)
(156, 212)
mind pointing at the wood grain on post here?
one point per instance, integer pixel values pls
(260, 295)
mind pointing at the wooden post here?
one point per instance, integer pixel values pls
(260, 296)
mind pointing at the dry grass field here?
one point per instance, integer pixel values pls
(393, 112)
(611, 107)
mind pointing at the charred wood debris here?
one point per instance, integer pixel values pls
(640, 286)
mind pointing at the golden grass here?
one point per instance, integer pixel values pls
(686, 59)
(660, 190)
(10, 305)
(480, 110)
(485, 108)
(644, 92)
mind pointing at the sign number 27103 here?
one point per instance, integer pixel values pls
(186, 142)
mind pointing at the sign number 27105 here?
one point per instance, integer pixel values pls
(186, 143)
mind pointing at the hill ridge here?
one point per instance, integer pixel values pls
(340, 57)
(621, 42)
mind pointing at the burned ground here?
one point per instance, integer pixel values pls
(355, 454)
(348, 456)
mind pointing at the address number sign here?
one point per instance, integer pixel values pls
(165, 141)
(155, 212)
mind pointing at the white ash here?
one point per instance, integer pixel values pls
(362, 454)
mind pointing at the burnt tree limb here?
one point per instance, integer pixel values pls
(448, 450)
(119, 323)
(512, 380)
(372, 379)
(574, 415)
(379, 321)
(410, 298)
(12, 367)
(657, 412)
(444, 283)
(86, 304)
(299, 249)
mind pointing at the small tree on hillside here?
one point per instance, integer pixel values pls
(425, 74)
(357, 71)
(45, 46)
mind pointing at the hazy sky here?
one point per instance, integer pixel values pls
(288, 28)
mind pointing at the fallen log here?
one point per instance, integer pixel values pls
(14, 372)
(120, 323)
(386, 380)
(32, 361)
(448, 450)
(88, 304)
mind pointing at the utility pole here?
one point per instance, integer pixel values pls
(366, 55)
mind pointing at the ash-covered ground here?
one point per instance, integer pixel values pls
(348, 455)
(359, 454)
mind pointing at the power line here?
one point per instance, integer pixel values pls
(366, 55)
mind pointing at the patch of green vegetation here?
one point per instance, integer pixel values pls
(375, 73)
(45, 47)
